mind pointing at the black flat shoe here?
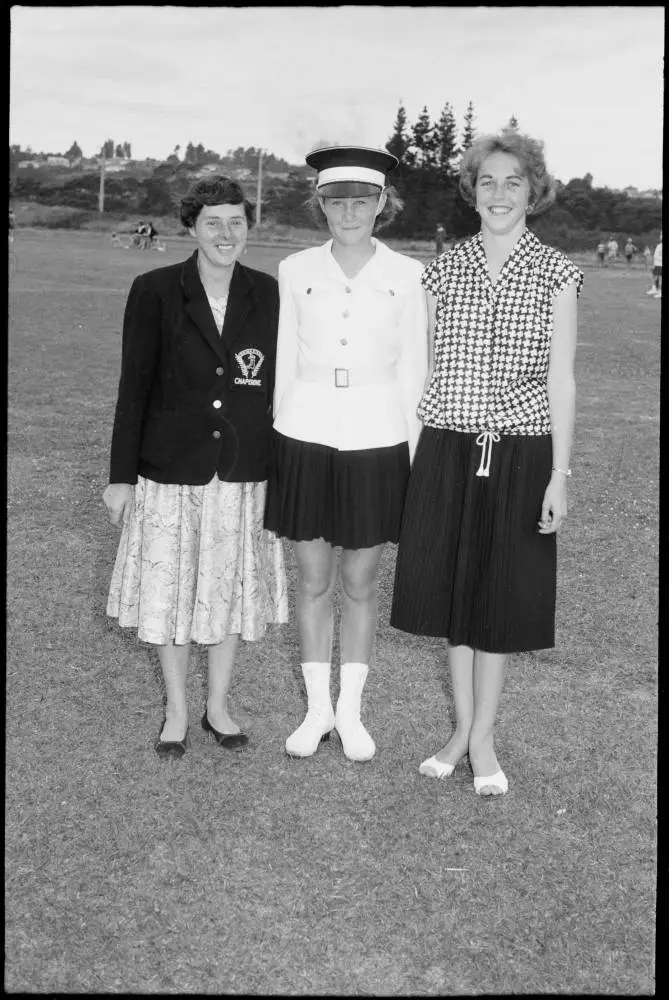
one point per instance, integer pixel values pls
(172, 748)
(231, 741)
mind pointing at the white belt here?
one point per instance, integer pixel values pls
(347, 378)
(485, 440)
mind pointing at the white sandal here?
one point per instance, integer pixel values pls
(434, 768)
(497, 780)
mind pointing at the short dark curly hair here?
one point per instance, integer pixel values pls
(214, 190)
(530, 154)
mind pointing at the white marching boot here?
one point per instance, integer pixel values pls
(356, 741)
(320, 718)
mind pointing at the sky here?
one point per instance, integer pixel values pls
(588, 81)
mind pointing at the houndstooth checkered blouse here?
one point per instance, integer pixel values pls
(492, 341)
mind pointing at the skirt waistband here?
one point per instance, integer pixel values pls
(345, 378)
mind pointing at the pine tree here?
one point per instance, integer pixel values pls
(399, 141)
(446, 150)
(424, 141)
(469, 131)
(512, 125)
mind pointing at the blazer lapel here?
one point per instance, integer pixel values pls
(241, 301)
(197, 306)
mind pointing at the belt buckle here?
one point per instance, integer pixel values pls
(341, 378)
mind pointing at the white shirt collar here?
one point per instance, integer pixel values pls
(373, 273)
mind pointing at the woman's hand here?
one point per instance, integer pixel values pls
(118, 499)
(554, 506)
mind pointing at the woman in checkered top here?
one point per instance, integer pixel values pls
(476, 562)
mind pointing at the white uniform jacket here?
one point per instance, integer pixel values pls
(352, 352)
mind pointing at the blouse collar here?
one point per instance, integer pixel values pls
(522, 253)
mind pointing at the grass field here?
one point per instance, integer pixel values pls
(255, 874)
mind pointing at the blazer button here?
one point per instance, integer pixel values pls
(216, 434)
(219, 371)
(347, 289)
(345, 314)
(217, 404)
(343, 341)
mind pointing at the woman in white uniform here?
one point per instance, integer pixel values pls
(351, 367)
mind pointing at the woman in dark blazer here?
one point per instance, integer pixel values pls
(189, 460)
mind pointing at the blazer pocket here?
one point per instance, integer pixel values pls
(159, 436)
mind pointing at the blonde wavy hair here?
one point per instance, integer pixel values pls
(388, 213)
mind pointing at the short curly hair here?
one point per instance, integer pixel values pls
(530, 154)
(214, 190)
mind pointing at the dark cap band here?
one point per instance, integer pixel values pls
(348, 189)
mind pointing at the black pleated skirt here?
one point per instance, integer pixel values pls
(471, 564)
(349, 498)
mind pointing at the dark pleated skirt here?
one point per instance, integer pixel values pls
(471, 564)
(349, 498)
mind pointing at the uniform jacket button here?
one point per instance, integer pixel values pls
(219, 370)
(216, 434)
(217, 404)
(343, 341)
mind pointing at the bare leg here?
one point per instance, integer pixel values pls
(174, 664)
(489, 670)
(461, 663)
(317, 563)
(221, 660)
(359, 577)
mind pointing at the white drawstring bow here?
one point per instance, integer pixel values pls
(485, 440)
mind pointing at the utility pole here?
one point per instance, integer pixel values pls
(101, 194)
(259, 189)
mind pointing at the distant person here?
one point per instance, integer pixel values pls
(476, 561)
(629, 250)
(351, 365)
(439, 238)
(139, 234)
(151, 232)
(601, 252)
(12, 225)
(189, 459)
(116, 240)
(612, 248)
(647, 256)
(656, 287)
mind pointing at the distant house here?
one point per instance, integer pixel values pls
(114, 164)
(29, 163)
(57, 161)
(633, 192)
(241, 173)
(208, 168)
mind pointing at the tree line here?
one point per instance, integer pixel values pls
(426, 181)
(429, 154)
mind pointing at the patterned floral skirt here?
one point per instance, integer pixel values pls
(195, 564)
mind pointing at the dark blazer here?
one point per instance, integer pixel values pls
(191, 403)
